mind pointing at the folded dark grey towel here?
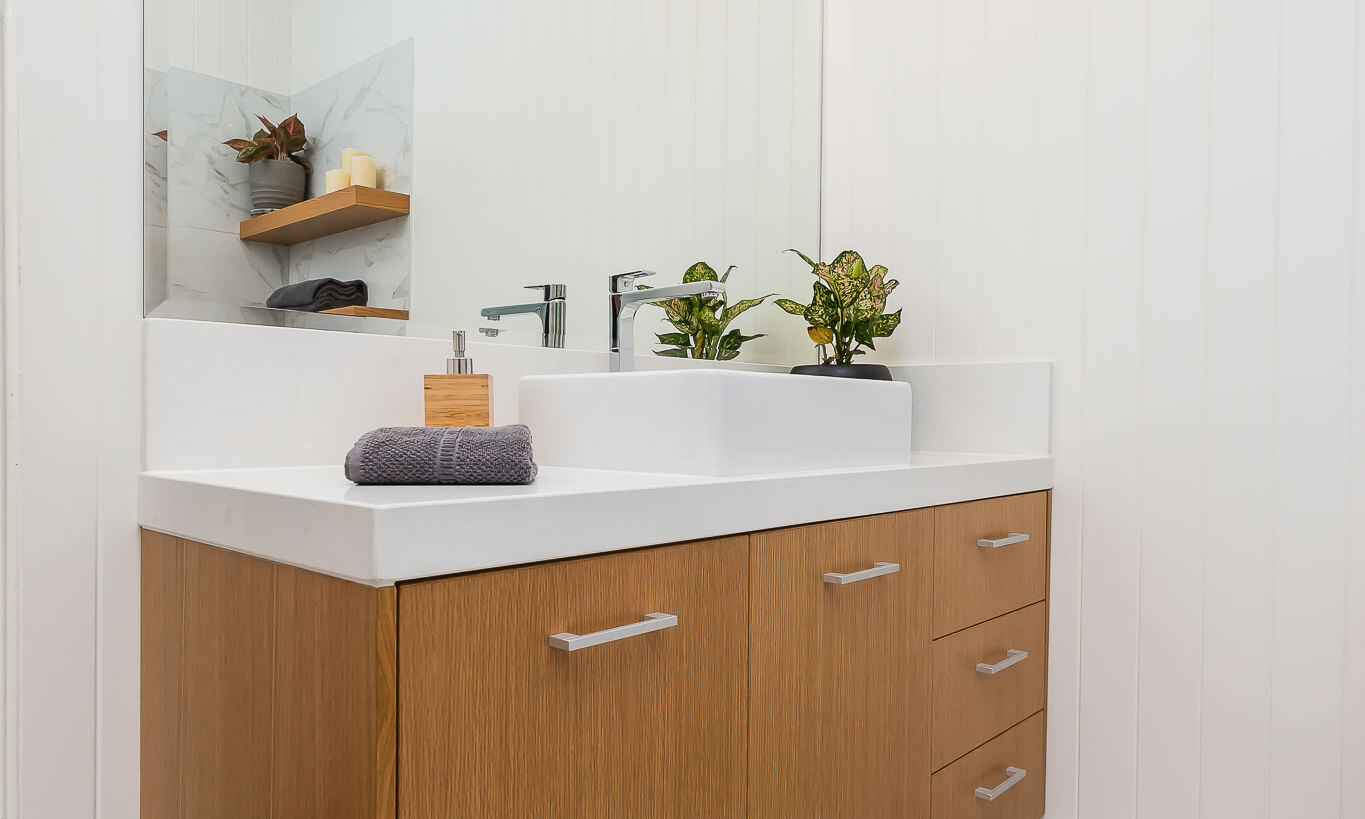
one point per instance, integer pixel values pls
(316, 295)
(443, 455)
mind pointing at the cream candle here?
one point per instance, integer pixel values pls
(337, 179)
(348, 154)
(363, 171)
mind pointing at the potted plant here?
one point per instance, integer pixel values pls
(701, 322)
(274, 169)
(845, 315)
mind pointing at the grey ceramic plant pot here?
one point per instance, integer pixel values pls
(275, 184)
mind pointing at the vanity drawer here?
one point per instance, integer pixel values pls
(1003, 779)
(512, 703)
(987, 678)
(990, 557)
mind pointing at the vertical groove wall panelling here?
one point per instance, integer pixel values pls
(1186, 248)
(1312, 320)
(1239, 409)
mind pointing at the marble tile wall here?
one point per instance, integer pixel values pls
(153, 189)
(368, 106)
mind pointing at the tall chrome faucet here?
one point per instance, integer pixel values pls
(626, 299)
(552, 311)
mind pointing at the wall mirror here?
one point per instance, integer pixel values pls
(496, 146)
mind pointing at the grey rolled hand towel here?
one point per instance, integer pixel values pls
(443, 455)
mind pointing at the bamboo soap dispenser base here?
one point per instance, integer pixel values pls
(461, 397)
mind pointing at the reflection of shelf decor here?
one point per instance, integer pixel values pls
(371, 312)
(325, 215)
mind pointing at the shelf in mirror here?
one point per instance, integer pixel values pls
(369, 312)
(335, 212)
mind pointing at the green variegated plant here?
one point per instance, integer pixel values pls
(702, 323)
(846, 307)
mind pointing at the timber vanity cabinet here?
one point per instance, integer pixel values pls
(886, 666)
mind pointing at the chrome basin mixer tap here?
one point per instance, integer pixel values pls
(626, 299)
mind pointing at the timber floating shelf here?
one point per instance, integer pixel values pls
(336, 212)
(371, 312)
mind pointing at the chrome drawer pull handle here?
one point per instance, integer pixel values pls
(877, 570)
(996, 543)
(654, 621)
(1012, 657)
(1013, 776)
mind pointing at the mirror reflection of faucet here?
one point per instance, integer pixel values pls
(552, 311)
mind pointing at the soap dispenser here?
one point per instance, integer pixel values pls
(461, 397)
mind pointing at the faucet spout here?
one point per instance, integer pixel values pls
(626, 299)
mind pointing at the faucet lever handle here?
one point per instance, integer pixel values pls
(625, 282)
(550, 291)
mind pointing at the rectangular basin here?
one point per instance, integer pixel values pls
(715, 422)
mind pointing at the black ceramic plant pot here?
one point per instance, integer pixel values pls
(868, 372)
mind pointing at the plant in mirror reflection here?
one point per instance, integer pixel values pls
(702, 323)
(845, 310)
(281, 141)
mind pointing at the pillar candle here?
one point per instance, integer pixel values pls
(347, 154)
(337, 179)
(363, 170)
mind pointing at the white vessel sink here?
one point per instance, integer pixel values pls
(715, 422)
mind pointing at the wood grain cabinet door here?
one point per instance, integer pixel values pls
(496, 722)
(839, 669)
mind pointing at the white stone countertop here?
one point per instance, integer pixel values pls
(312, 517)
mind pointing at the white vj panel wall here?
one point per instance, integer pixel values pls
(1165, 198)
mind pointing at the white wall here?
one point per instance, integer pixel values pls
(73, 312)
(244, 41)
(1165, 198)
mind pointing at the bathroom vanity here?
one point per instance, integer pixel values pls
(425, 652)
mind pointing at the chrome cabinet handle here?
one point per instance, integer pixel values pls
(1013, 776)
(654, 621)
(877, 570)
(1012, 657)
(996, 543)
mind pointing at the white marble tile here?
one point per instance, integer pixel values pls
(369, 107)
(154, 148)
(154, 267)
(377, 254)
(212, 266)
(208, 187)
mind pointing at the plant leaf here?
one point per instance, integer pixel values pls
(700, 272)
(795, 308)
(674, 339)
(710, 325)
(672, 353)
(862, 333)
(883, 326)
(252, 153)
(164, 135)
(238, 144)
(849, 278)
(269, 127)
(729, 313)
(822, 311)
(820, 335)
(803, 256)
(293, 131)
